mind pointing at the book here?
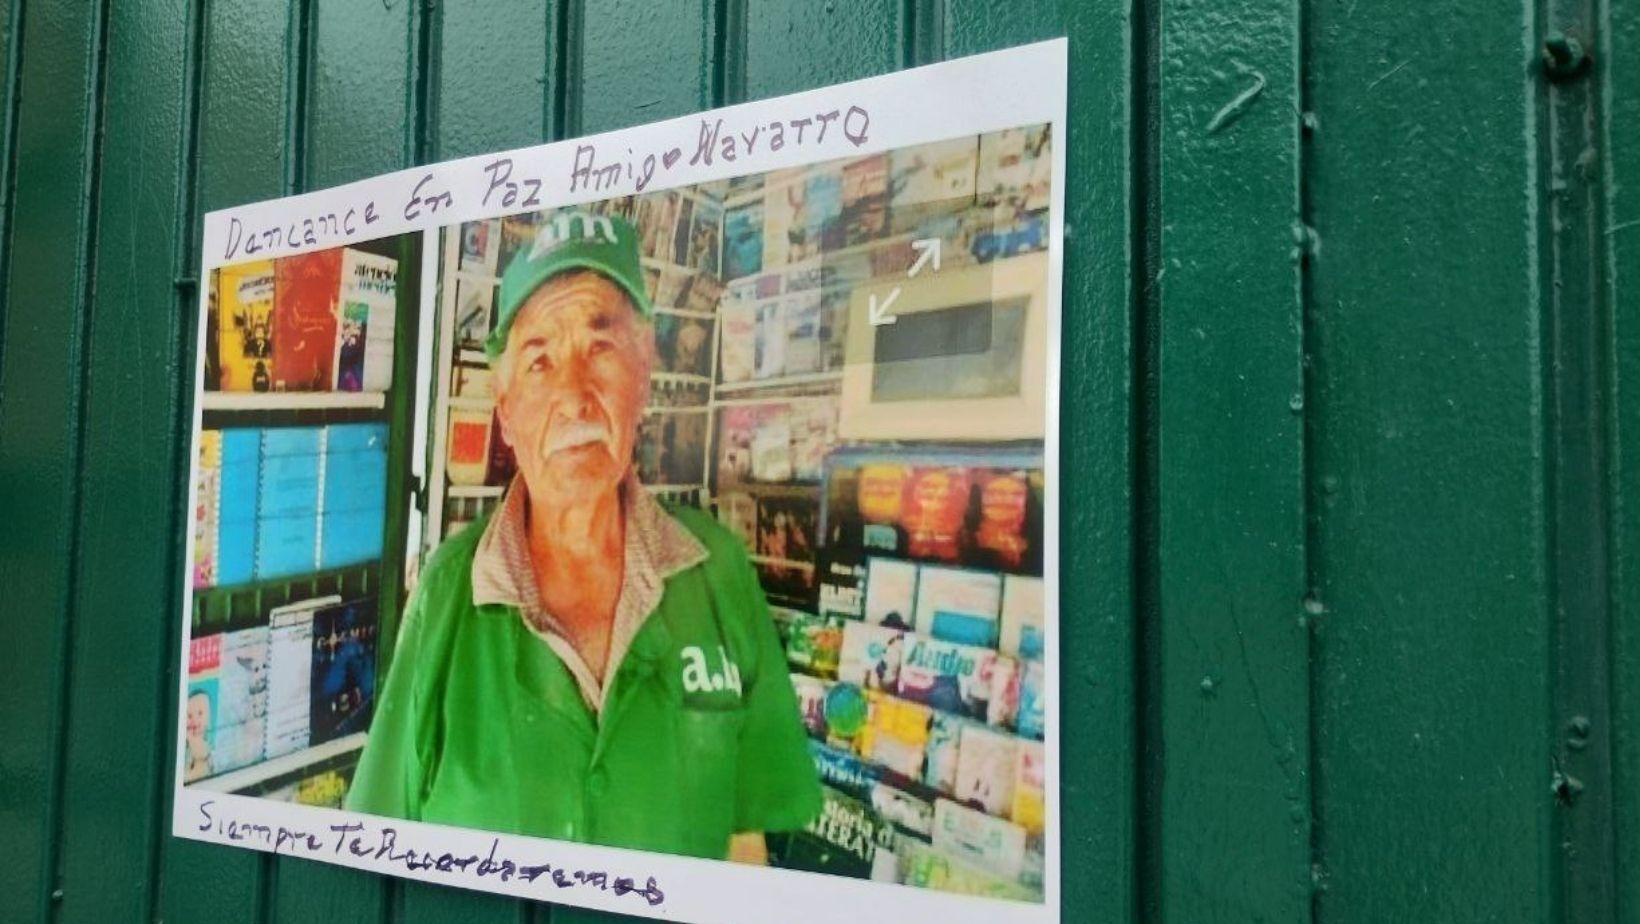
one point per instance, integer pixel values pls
(239, 488)
(811, 703)
(364, 346)
(343, 678)
(306, 287)
(474, 313)
(843, 770)
(842, 839)
(703, 250)
(973, 836)
(242, 699)
(467, 450)
(1030, 779)
(771, 446)
(786, 529)
(517, 235)
(936, 508)
(961, 679)
(940, 172)
(354, 499)
(1006, 501)
(870, 656)
(737, 341)
(816, 644)
(896, 734)
(681, 231)
(769, 345)
(927, 866)
(785, 219)
(287, 514)
(891, 593)
(1022, 617)
(200, 708)
(959, 605)
(245, 326)
(905, 811)
(705, 292)
(1029, 719)
(290, 676)
(823, 198)
(1015, 167)
(944, 742)
(207, 504)
(865, 199)
(656, 221)
(743, 240)
(480, 246)
(802, 350)
(986, 766)
(842, 584)
(684, 344)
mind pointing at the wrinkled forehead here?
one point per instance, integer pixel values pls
(571, 302)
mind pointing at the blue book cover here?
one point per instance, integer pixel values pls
(286, 546)
(355, 467)
(343, 679)
(236, 510)
(290, 472)
(351, 537)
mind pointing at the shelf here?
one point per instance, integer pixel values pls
(657, 263)
(292, 400)
(477, 357)
(484, 405)
(782, 562)
(474, 490)
(473, 276)
(686, 313)
(682, 378)
(676, 409)
(783, 382)
(246, 777)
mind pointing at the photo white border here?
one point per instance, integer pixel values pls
(984, 93)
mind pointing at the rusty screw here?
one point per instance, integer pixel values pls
(1563, 56)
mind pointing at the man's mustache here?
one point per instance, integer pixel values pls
(572, 433)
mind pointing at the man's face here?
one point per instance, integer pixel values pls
(572, 386)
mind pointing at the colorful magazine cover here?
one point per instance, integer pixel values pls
(743, 240)
(944, 742)
(245, 303)
(207, 503)
(959, 605)
(1022, 617)
(290, 673)
(474, 309)
(287, 507)
(843, 770)
(684, 344)
(843, 839)
(305, 290)
(803, 348)
(811, 703)
(785, 219)
(242, 699)
(865, 199)
(871, 656)
(354, 495)
(786, 528)
(926, 866)
(364, 349)
(941, 172)
(737, 338)
(656, 219)
(816, 645)
(200, 710)
(1029, 809)
(896, 734)
(344, 669)
(237, 508)
(905, 811)
(987, 762)
(467, 449)
(962, 679)
(480, 246)
(891, 593)
(985, 841)
(703, 237)
(1029, 720)
(823, 200)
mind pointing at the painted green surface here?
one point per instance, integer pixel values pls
(1348, 422)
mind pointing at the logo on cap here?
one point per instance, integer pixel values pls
(570, 226)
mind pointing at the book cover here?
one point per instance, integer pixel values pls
(816, 645)
(703, 237)
(956, 678)
(870, 657)
(942, 172)
(959, 605)
(823, 200)
(771, 445)
(803, 348)
(200, 711)
(1030, 776)
(1015, 167)
(843, 839)
(354, 501)
(936, 507)
(743, 240)
(891, 593)
(1029, 719)
(684, 344)
(305, 290)
(705, 293)
(770, 343)
(672, 287)
(517, 234)
(364, 346)
(656, 221)
(467, 451)
(681, 231)
(1007, 500)
(343, 678)
(242, 699)
(944, 742)
(811, 703)
(843, 770)
(240, 486)
(987, 762)
(287, 515)
(474, 313)
(207, 501)
(905, 811)
(865, 199)
(1022, 617)
(480, 246)
(896, 734)
(290, 676)
(785, 529)
(926, 866)
(978, 838)
(842, 584)
(245, 326)
(737, 341)
(785, 219)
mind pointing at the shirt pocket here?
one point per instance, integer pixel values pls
(709, 771)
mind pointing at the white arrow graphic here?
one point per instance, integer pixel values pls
(877, 312)
(927, 249)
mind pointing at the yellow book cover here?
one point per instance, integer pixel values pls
(245, 326)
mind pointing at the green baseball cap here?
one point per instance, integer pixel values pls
(570, 241)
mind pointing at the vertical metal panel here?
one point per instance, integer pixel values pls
(1233, 830)
(796, 46)
(117, 765)
(41, 377)
(1098, 812)
(1432, 691)
(495, 71)
(635, 61)
(247, 151)
(1617, 75)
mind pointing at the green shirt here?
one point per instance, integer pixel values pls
(481, 725)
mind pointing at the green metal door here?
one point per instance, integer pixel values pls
(1350, 626)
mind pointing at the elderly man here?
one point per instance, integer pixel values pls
(585, 664)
